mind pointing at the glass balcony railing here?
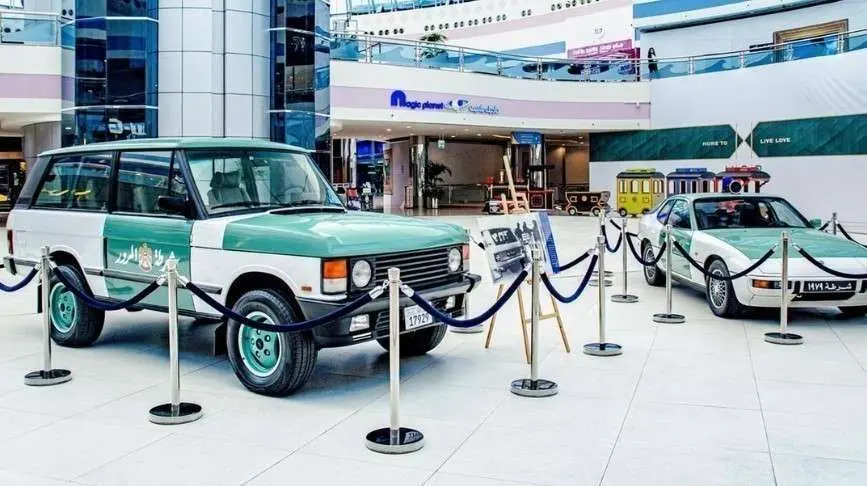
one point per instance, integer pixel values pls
(29, 28)
(361, 7)
(377, 50)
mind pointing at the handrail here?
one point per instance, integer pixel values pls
(466, 59)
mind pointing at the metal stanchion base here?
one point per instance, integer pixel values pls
(47, 378)
(669, 318)
(603, 349)
(187, 412)
(783, 338)
(624, 298)
(408, 440)
(594, 282)
(537, 389)
(608, 273)
(468, 330)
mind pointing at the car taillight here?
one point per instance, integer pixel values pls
(9, 244)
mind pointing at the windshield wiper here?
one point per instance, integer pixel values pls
(309, 202)
(237, 204)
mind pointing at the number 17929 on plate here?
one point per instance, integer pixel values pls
(415, 316)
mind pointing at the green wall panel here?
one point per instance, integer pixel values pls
(833, 135)
(708, 142)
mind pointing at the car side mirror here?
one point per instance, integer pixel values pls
(816, 223)
(175, 205)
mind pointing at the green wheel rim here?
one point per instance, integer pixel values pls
(64, 308)
(260, 350)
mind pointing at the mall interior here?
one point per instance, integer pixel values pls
(599, 120)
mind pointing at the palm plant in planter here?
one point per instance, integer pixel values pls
(433, 177)
(429, 52)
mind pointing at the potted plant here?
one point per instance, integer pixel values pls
(428, 51)
(433, 177)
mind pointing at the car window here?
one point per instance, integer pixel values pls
(680, 216)
(662, 214)
(145, 176)
(76, 182)
(754, 212)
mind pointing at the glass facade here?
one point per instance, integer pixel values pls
(300, 56)
(114, 51)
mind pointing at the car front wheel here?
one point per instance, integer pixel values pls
(720, 294)
(269, 363)
(417, 343)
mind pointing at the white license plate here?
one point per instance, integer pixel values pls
(829, 286)
(415, 316)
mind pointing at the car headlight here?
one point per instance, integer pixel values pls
(455, 260)
(361, 274)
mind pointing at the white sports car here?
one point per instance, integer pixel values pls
(728, 233)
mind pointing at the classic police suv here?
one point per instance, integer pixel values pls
(253, 223)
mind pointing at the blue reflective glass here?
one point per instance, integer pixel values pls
(392, 53)
(434, 57)
(481, 62)
(89, 125)
(302, 129)
(28, 29)
(857, 42)
(716, 64)
(672, 69)
(758, 58)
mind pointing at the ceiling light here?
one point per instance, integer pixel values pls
(453, 136)
(388, 129)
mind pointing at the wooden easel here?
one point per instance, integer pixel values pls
(521, 206)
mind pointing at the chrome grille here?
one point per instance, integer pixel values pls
(418, 269)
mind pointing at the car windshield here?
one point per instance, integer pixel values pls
(232, 180)
(752, 212)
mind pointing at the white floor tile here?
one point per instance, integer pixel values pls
(814, 471)
(302, 469)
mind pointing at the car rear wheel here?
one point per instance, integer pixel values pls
(269, 363)
(73, 323)
(720, 294)
(856, 311)
(419, 342)
(622, 212)
(652, 274)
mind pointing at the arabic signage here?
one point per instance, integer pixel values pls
(833, 135)
(600, 51)
(144, 257)
(399, 99)
(709, 142)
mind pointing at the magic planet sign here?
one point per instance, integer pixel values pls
(399, 99)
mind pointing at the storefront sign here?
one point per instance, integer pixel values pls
(526, 138)
(400, 100)
(118, 127)
(833, 135)
(600, 51)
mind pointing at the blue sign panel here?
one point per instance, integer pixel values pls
(399, 99)
(526, 138)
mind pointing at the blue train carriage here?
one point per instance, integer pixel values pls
(639, 191)
(741, 179)
(690, 180)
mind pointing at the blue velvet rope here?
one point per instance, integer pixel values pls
(100, 304)
(287, 327)
(471, 322)
(830, 271)
(729, 278)
(848, 236)
(571, 298)
(20, 285)
(638, 257)
(563, 268)
(617, 245)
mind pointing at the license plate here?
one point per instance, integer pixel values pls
(415, 316)
(830, 286)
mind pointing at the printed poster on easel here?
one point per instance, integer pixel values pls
(509, 240)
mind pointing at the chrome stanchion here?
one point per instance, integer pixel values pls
(668, 317)
(176, 412)
(625, 297)
(602, 348)
(833, 223)
(394, 439)
(783, 336)
(47, 375)
(594, 282)
(534, 386)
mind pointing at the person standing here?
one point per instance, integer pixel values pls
(651, 63)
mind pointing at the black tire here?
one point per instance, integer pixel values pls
(572, 211)
(653, 275)
(73, 323)
(622, 212)
(595, 211)
(419, 342)
(296, 351)
(856, 311)
(720, 294)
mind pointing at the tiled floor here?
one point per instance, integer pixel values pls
(703, 403)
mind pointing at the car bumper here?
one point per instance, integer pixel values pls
(343, 333)
(756, 297)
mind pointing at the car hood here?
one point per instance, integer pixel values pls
(754, 242)
(328, 234)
